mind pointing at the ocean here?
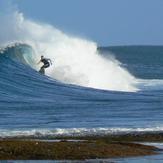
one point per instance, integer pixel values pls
(37, 105)
(88, 90)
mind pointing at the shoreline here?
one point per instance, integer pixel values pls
(79, 148)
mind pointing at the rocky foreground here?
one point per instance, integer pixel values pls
(87, 148)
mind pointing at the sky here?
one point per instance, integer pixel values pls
(106, 22)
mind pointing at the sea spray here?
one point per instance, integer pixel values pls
(75, 60)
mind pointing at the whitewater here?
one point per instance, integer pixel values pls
(76, 60)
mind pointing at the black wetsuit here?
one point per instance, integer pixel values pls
(45, 62)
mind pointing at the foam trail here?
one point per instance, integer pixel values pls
(150, 84)
(76, 60)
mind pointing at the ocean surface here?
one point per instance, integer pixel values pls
(88, 90)
(40, 106)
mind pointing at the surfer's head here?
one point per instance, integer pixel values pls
(42, 57)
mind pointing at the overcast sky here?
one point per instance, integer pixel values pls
(107, 22)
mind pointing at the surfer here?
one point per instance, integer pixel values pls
(46, 63)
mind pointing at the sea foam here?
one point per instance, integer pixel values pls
(75, 60)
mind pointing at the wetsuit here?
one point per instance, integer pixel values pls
(45, 62)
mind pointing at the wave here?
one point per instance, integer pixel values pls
(22, 53)
(75, 60)
(73, 132)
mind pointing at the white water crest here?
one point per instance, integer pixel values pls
(59, 132)
(75, 60)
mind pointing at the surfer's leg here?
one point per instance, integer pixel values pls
(42, 68)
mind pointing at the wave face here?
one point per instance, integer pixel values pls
(76, 60)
